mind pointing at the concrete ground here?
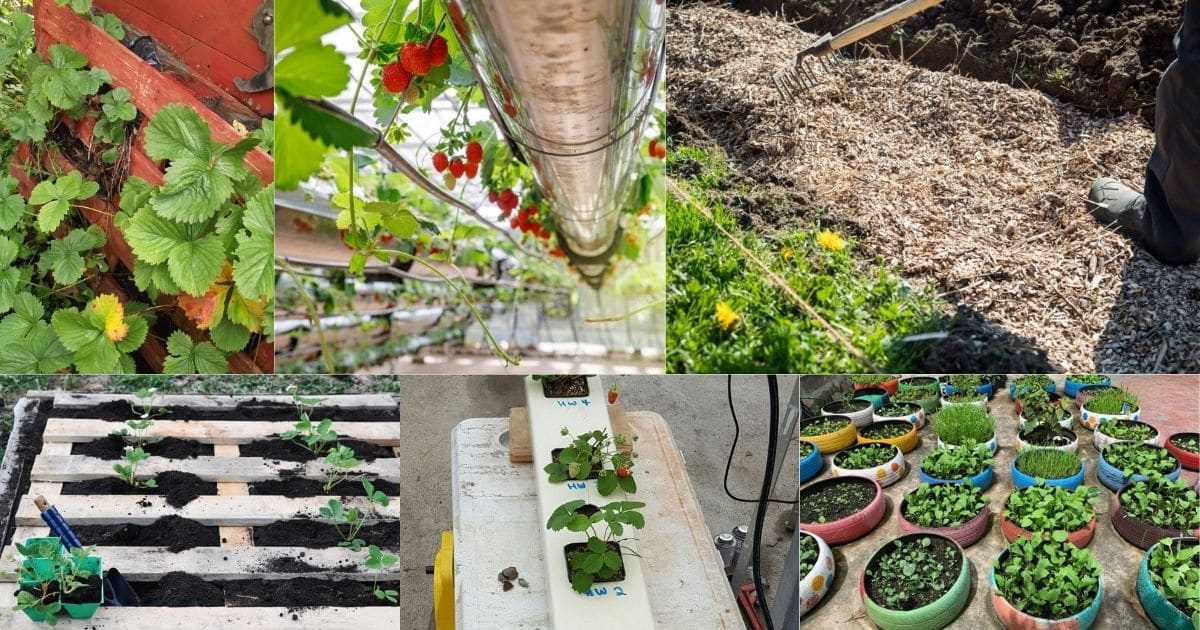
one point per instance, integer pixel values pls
(1170, 402)
(694, 406)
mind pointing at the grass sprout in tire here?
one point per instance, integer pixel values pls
(1164, 613)
(934, 576)
(841, 509)
(882, 462)
(815, 582)
(934, 509)
(1050, 558)
(829, 433)
(1075, 382)
(1047, 466)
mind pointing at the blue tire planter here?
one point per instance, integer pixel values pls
(877, 396)
(1114, 479)
(811, 465)
(1022, 481)
(982, 481)
(1071, 388)
(986, 389)
(1161, 611)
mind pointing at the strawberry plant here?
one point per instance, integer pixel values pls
(341, 461)
(595, 455)
(599, 558)
(378, 561)
(132, 458)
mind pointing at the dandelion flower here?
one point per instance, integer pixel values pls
(787, 253)
(831, 241)
(726, 316)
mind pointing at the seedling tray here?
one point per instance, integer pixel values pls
(220, 540)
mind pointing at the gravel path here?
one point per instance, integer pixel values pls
(975, 187)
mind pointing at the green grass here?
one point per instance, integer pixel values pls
(865, 301)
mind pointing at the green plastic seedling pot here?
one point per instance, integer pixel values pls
(933, 616)
(43, 568)
(1158, 608)
(85, 611)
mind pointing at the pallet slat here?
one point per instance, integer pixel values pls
(232, 510)
(190, 618)
(71, 400)
(143, 564)
(244, 469)
(214, 431)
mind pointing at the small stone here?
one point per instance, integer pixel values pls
(507, 586)
(523, 582)
(510, 573)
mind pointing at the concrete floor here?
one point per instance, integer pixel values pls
(694, 406)
(1170, 402)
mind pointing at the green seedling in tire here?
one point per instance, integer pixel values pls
(133, 457)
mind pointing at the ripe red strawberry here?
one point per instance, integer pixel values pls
(514, 222)
(493, 196)
(438, 51)
(613, 392)
(507, 198)
(415, 59)
(386, 238)
(395, 77)
(457, 167)
(474, 152)
(660, 151)
(623, 471)
(472, 169)
(650, 150)
(440, 161)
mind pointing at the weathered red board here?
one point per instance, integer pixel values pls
(211, 36)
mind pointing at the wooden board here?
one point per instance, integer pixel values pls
(73, 400)
(496, 525)
(219, 432)
(232, 510)
(145, 564)
(243, 469)
(519, 450)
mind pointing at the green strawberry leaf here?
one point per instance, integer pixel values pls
(11, 208)
(177, 131)
(55, 197)
(36, 352)
(188, 357)
(254, 270)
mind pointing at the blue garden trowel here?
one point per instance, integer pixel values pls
(117, 591)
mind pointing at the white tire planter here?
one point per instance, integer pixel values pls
(1070, 448)
(815, 584)
(1066, 424)
(981, 403)
(917, 418)
(1091, 419)
(1101, 439)
(861, 418)
(991, 444)
(887, 474)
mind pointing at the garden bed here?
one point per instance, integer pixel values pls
(231, 554)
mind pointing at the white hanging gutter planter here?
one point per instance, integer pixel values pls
(572, 83)
(616, 604)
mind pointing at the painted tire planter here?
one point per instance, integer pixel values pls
(1022, 480)
(811, 465)
(981, 480)
(1081, 537)
(1072, 446)
(926, 383)
(889, 473)
(981, 403)
(1071, 388)
(906, 442)
(857, 409)
(890, 386)
(852, 527)
(987, 389)
(1138, 533)
(965, 535)
(937, 614)
(1014, 619)
(877, 396)
(1114, 479)
(1101, 439)
(1087, 391)
(1091, 419)
(1158, 608)
(815, 584)
(1187, 459)
(991, 444)
(915, 415)
(1066, 424)
(833, 441)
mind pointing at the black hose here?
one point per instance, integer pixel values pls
(760, 515)
(737, 431)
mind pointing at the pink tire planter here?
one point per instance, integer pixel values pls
(915, 414)
(886, 474)
(1101, 439)
(815, 583)
(965, 535)
(1140, 533)
(1080, 538)
(851, 527)
(1187, 458)
(1014, 619)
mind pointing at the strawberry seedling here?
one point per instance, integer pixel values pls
(132, 458)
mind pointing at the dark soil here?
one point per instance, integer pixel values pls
(886, 429)
(565, 386)
(821, 425)
(846, 406)
(285, 450)
(1178, 439)
(576, 548)
(86, 594)
(36, 589)
(879, 454)
(172, 532)
(1103, 56)
(253, 409)
(178, 488)
(310, 533)
(112, 447)
(835, 500)
(181, 589)
(1048, 435)
(945, 557)
(295, 487)
(28, 445)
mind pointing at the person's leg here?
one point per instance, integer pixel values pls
(1166, 220)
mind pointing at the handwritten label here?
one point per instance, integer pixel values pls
(574, 403)
(600, 591)
(577, 485)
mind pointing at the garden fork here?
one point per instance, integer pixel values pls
(818, 58)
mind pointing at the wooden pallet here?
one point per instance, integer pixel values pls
(150, 91)
(233, 510)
